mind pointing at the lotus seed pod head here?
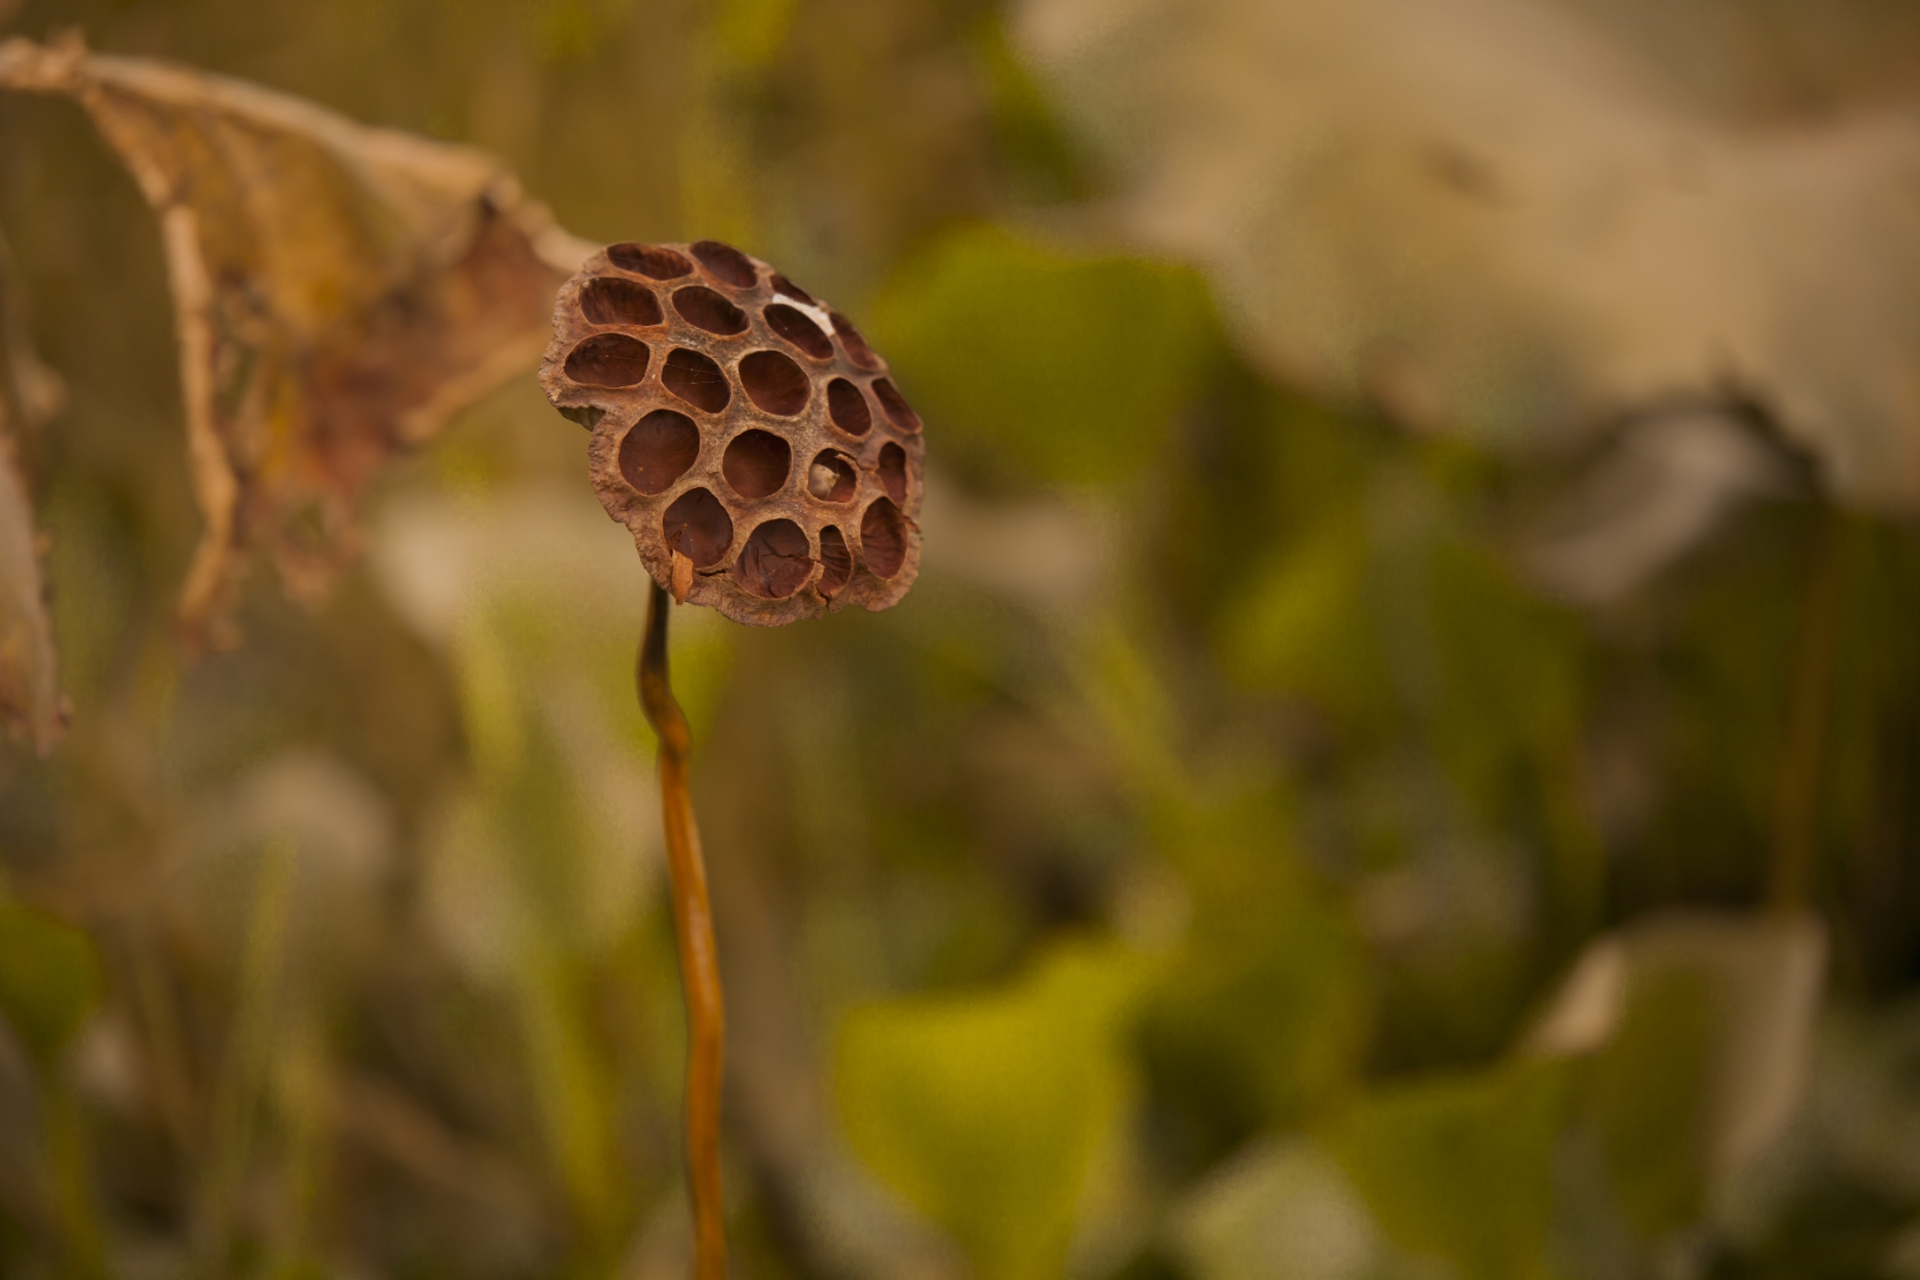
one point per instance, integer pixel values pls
(743, 431)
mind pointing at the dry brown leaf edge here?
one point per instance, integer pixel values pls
(339, 291)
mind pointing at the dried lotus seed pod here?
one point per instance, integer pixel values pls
(744, 432)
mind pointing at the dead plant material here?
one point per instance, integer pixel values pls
(735, 435)
(693, 933)
(744, 432)
(339, 292)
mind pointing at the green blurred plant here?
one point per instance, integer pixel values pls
(987, 1110)
(50, 980)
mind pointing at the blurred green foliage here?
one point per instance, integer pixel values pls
(986, 1110)
(50, 980)
(1043, 366)
(1462, 1167)
(1207, 838)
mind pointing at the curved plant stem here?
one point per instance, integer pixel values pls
(693, 929)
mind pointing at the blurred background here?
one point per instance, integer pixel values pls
(1402, 761)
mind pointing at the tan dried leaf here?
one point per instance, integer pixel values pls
(339, 291)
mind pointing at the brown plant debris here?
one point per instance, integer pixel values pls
(339, 292)
(745, 433)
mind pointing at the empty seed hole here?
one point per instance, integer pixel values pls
(649, 260)
(658, 449)
(698, 527)
(857, 349)
(608, 360)
(832, 477)
(756, 463)
(774, 563)
(775, 383)
(895, 406)
(836, 562)
(893, 471)
(726, 264)
(803, 333)
(696, 379)
(883, 537)
(705, 309)
(783, 285)
(848, 408)
(610, 300)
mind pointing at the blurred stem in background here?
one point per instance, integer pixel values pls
(1797, 802)
(248, 1058)
(71, 1171)
(693, 930)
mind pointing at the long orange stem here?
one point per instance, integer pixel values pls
(693, 930)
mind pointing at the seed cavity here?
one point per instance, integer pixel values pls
(775, 383)
(698, 527)
(783, 285)
(774, 563)
(791, 324)
(856, 346)
(756, 463)
(697, 380)
(895, 406)
(832, 477)
(649, 260)
(611, 300)
(848, 408)
(836, 562)
(702, 308)
(608, 360)
(658, 449)
(893, 471)
(883, 537)
(726, 263)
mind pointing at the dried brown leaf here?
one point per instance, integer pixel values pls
(339, 291)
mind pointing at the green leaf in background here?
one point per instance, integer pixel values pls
(49, 979)
(986, 1110)
(1279, 1209)
(1265, 1024)
(1712, 1033)
(1265, 1011)
(1052, 367)
(1462, 1166)
(1302, 625)
(1649, 1098)
(1515, 677)
(1040, 164)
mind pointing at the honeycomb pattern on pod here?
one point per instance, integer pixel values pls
(743, 431)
